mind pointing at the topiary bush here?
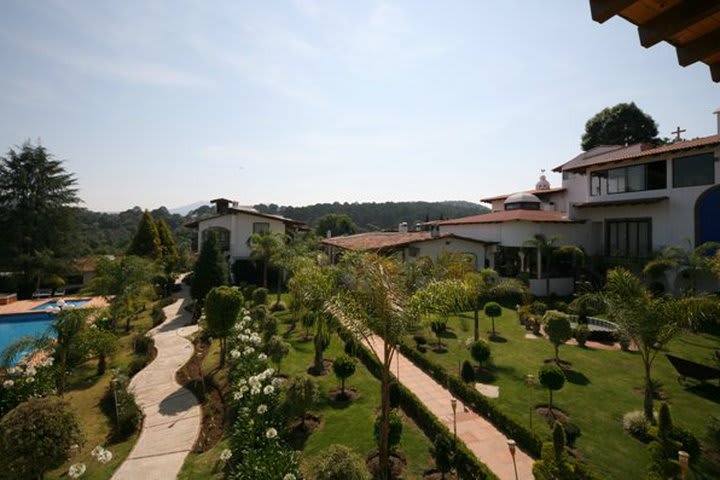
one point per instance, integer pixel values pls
(442, 452)
(259, 296)
(420, 342)
(467, 372)
(301, 394)
(438, 327)
(553, 378)
(480, 351)
(582, 334)
(492, 310)
(558, 329)
(37, 436)
(395, 433)
(344, 368)
(143, 345)
(276, 306)
(337, 462)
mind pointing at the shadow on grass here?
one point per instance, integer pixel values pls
(706, 391)
(497, 338)
(576, 378)
(485, 375)
(448, 334)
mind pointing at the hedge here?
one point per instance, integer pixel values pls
(467, 464)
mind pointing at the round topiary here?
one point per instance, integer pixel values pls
(480, 351)
(551, 377)
(492, 310)
(36, 436)
(395, 433)
(344, 368)
(259, 296)
(582, 333)
(338, 462)
(467, 372)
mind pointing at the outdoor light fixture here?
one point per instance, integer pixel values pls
(684, 458)
(511, 446)
(453, 403)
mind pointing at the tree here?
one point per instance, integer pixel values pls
(37, 196)
(209, 271)
(222, 306)
(263, 248)
(480, 351)
(168, 246)
(373, 301)
(553, 378)
(125, 283)
(336, 223)
(443, 450)
(338, 462)
(102, 344)
(301, 395)
(543, 247)
(344, 368)
(277, 349)
(492, 310)
(467, 372)
(146, 242)
(439, 328)
(694, 261)
(558, 329)
(484, 285)
(623, 124)
(395, 430)
(554, 462)
(37, 436)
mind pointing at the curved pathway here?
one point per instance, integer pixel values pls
(172, 413)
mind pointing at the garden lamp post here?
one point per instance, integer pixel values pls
(453, 403)
(511, 447)
(530, 379)
(684, 459)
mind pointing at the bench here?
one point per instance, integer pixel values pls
(689, 369)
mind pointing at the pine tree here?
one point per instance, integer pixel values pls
(167, 241)
(146, 242)
(209, 269)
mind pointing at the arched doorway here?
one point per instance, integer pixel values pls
(707, 216)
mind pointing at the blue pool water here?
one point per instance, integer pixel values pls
(20, 325)
(53, 303)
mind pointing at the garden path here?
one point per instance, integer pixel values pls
(480, 436)
(172, 413)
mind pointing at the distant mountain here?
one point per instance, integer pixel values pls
(185, 209)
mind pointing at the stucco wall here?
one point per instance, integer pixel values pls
(241, 227)
(433, 248)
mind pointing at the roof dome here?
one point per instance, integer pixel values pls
(522, 197)
(542, 184)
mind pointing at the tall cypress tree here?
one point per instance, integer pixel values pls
(146, 242)
(167, 241)
(209, 269)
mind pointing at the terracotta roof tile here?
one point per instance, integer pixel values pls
(538, 216)
(383, 240)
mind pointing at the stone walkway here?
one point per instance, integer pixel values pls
(480, 436)
(172, 413)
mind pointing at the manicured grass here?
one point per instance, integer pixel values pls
(602, 386)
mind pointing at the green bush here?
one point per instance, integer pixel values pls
(492, 310)
(442, 452)
(636, 424)
(582, 333)
(468, 372)
(37, 436)
(276, 306)
(713, 431)
(301, 394)
(395, 433)
(338, 462)
(259, 296)
(120, 403)
(277, 349)
(143, 345)
(344, 368)
(553, 378)
(137, 364)
(480, 351)
(538, 308)
(557, 328)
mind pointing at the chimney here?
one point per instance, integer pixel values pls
(328, 234)
(435, 230)
(418, 226)
(717, 115)
(403, 228)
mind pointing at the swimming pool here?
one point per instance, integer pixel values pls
(54, 303)
(15, 326)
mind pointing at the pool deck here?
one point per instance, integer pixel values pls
(26, 306)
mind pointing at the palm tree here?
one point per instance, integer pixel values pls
(544, 247)
(263, 246)
(692, 260)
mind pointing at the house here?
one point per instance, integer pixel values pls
(234, 224)
(412, 245)
(619, 203)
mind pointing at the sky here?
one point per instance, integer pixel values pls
(153, 103)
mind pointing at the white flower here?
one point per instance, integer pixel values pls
(237, 395)
(11, 371)
(93, 326)
(269, 390)
(262, 409)
(289, 476)
(247, 318)
(97, 451)
(76, 469)
(277, 382)
(271, 433)
(30, 372)
(48, 362)
(262, 357)
(248, 350)
(225, 455)
(30, 379)
(254, 391)
(8, 383)
(234, 353)
(105, 456)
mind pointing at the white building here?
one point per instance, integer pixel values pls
(619, 203)
(234, 224)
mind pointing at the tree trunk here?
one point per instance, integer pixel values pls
(493, 325)
(279, 287)
(222, 352)
(550, 390)
(648, 400)
(342, 387)
(477, 325)
(557, 354)
(102, 364)
(318, 361)
(265, 273)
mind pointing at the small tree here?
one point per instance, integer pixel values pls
(338, 462)
(553, 378)
(336, 223)
(443, 452)
(167, 240)
(480, 351)
(259, 296)
(493, 310)
(301, 395)
(663, 450)
(395, 432)
(468, 372)
(146, 242)
(277, 349)
(102, 344)
(37, 436)
(558, 329)
(554, 462)
(622, 124)
(222, 306)
(209, 271)
(439, 328)
(344, 368)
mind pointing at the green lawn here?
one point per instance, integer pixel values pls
(602, 386)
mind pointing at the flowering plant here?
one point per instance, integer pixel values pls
(26, 380)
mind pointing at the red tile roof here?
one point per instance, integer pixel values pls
(618, 203)
(584, 160)
(383, 240)
(534, 192)
(537, 216)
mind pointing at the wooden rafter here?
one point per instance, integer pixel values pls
(604, 10)
(699, 49)
(675, 20)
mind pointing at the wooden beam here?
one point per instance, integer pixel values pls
(603, 10)
(699, 48)
(715, 72)
(674, 20)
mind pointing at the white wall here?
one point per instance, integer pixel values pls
(515, 234)
(433, 248)
(241, 227)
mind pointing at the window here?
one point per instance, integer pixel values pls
(597, 181)
(635, 178)
(694, 170)
(628, 238)
(221, 234)
(261, 227)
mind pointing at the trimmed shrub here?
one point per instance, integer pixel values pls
(538, 308)
(492, 310)
(480, 351)
(689, 442)
(636, 424)
(558, 329)
(439, 328)
(467, 372)
(122, 408)
(277, 349)
(259, 296)
(552, 378)
(582, 334)
(301, 394)
(344, 368)
(36, 436)
(143, 345)
(137, 364)
(442, 452)
(395, 434)
(394, 389)
(276, 306)
(338, 462)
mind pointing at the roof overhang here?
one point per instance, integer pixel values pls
(621, 203)
(691, 26)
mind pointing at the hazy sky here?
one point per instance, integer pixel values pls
(165, 103)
